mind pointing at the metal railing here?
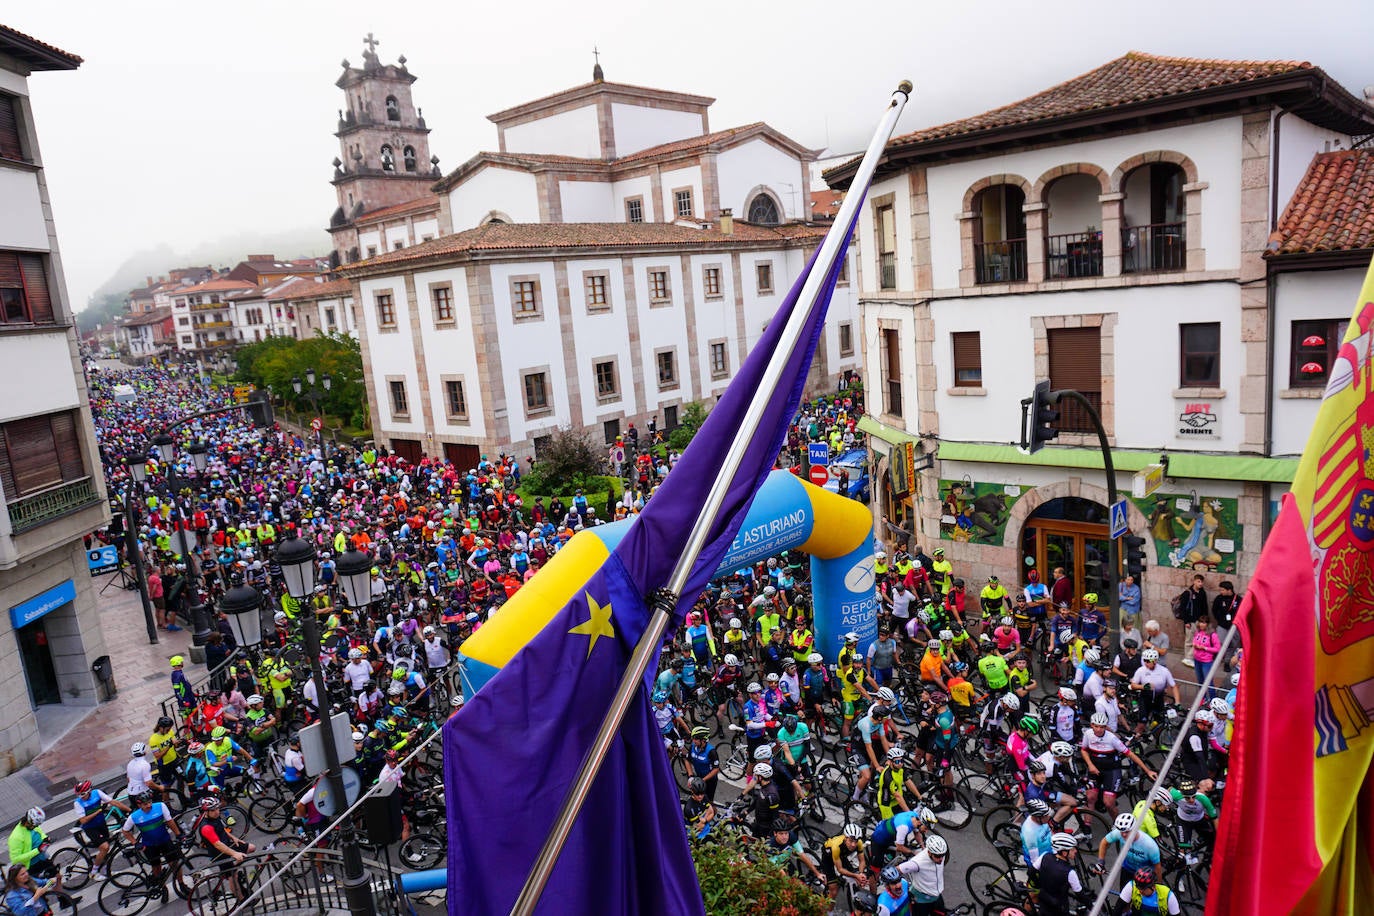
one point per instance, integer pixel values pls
(312, 883)
(1074, 254)
(1000, 261)
(172, 708)
(1073, 418)
(47, 505)
(1154, 248)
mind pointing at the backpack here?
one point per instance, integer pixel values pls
(1176, 605)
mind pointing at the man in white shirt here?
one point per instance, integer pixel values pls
(926, 873)
(140, 771)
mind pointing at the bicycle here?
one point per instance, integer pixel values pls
(129, 892)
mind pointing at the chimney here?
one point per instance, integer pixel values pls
(150, 281)
(727, 222)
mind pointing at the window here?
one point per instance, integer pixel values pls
(1199, 355)
(710, 281)
(682, 203)
(388, 158)
(400, 405)
(843, 279)
(1076, 362)
(720, 359)
(536, 392)
(670, 418)
(892, 370)
(595, 286)
(408, 156)
(634, 209)
(38, 453)
(386, 310)
(763, 272)
(371, 251)
(11, 147)
(524, 296)
(1315, 344)
(329, 319)
(455, 399)
(393, 109)
(846, 338)
(999, 237)
(610, 430)
(398, 244)
(607, 385)
(887, 247)
(666, 363)
(763, 210)
(968, 359)
(24, 296)
(658, 286)
(442, 297)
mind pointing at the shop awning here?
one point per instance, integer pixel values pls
(887, 433)
(1181, 464)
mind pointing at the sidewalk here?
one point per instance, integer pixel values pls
(97, 746)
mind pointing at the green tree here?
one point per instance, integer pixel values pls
(734, 885)
(274, 362)
(570, 460)
(693, 415)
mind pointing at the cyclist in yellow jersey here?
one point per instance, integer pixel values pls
(880, 566)
(943, 572)
(162, 747)
(734, 637)
(1144, 811)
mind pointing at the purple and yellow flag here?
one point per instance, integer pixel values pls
(1295, 835)
(514, 749)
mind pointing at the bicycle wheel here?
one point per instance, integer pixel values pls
(988, 883)
(124, 901)
(234, 817)
(74, 865)
(953, 806)
(733, 766)
(269, 814)
(996, 817)
(1088, 823)
(422, 850)
(834, 784)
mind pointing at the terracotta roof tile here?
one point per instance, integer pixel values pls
(307, 288)
(690, 144)
(56, 56)
(217, 286)
(1332, 208)
(411, 206)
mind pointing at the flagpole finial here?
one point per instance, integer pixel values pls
(905, 87)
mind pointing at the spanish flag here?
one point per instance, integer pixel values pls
(1295, 834)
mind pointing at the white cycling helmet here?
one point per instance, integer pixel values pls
(396, 689)
(885, 695)
(1009, 701)
(1068, 693)
(815, 658)
(1205, 715)
(1092, 656)
(851, 636)
(946, 635)
(355, 654)
(1038, 808)
(927, 816)
(1235, 679)
(1066, 637)
(754, 687)
(255, 699)
(895, 753)
(732, 661)
(1062, 842)
(923, 615)
(1150, 655)
(1099, 718)
(1220, 707)
(35, 816)
(1006, 621)
(1061, 749)
(936, 845)
(1124, 822)
(763, 752)
(853, 830)
(769, 590)
(735, 624)
(772, 677)
(1162, 796)
(138, 749)
(763, 771)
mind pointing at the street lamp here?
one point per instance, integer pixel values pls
(355, 577)
(138, 470)
(200, 455)
(242, 604)
(166, 446)
(308, 389)
(297, 560)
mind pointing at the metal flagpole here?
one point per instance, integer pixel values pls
(665, 600)
(1110, 878)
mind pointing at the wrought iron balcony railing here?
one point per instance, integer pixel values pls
(42, 507)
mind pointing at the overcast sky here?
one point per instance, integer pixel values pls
(191, 122)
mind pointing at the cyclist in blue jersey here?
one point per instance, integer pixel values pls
(1143, 851)
(91, 807)
(1036, 831)
(895, 899)
(904, 832)
(151, 827)
(704, 760)
(872, 730)
(699, 640)
(815, 688)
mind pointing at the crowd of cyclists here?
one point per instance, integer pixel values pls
(1038, 722)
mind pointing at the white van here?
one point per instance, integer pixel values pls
(124, 394)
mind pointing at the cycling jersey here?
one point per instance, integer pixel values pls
(1035, 840)
(1192, 809)
(900, 905)
(221, 750)
(797, 740)
(162, 746)
(850, 679)
(932, 665)
(703, 759)
(150, 827)
(1066, 721)
(665, 717)
(1105, 750)
(891, 782)
(993, 599)
(898, 829)
(813, 684)
(1158, 680)
(1143, 852)
(838, 855)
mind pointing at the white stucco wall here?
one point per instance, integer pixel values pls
(450, 350)
(391, 353)
(637, 127)
(899, 187)
(571, 133)
(588, 202)
(1297, 297)
(529, 344)
(372, 239)
(662, 326)
(632, 187)
(507, 191)
(21, 215)
(426, 228)
(1214, 146)
(397, 234)
(876, 317)
(38, 377)
(1299, 141)
(743, 168)
(600, 335)
(716, 318)
(676, 180)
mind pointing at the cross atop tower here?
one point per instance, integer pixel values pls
(371, 43)
(597, 74)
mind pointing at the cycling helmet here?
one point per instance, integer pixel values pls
(769, 590)
(1187, 786)
(923, 615)
(896, 754)
(789, 664)
(355, 654)
(219, 732)
(701, 731)
(936, 845)
(177, 661)
(392, 755)
(927, 816)
(735, 624)
(1006, 621)
(1009, 701)
(1092, 656)
(35, 816)
(1235, 679)
(383, 726)
(1220, 707)
(772, 678)
(280, 617)
(946, 635)
(985, 641)
(359, 736)
(1012, 911)
(853, 830)
(1090, 598)
(1162, 796)
(1066, 637)
(1124, 822)
(763, 771)
(1038, 807)
(1030, 724)
(396, 689)
(851, 637)
(958, 583)
(815, 658)
(138, 749)
(1099, 718)
(83, 787)
(139, 798)
(429, 631)
(885, 695)
(1068, 693)
(754, 687)
(789, 722)
(1150, 655)
(165, 722)
(1130, 644)
(732, 661)
(890, 875)
(1035, 766)
(764, 752)
(1205, 717)
(1063, 842)
(696, 785)
(1144, 876)
(660, 696)
(398, 673)
(678, 664)
(934, 645)
(1061, 749)
(195, 748)
(880, 711)
(209, 803)
(399, 711)
(255, 700)
(938, 699)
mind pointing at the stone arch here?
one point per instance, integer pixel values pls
(1035, 498)
(772, 195)
(1037, 193)
(1163, 155)
(495, 216)
(983, 184)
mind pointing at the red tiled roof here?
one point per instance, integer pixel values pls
(307, 288)
(691, 143)
(156, 316)
(216, 286)
(411, 206)
(38, 54)
(597, 86)
(536, 236)
(1332, 208)
(825, 204)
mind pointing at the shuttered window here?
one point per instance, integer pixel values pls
(892, 370)
(968, 359)
(40, 452)
(10, 147)
(1076, 362)
(24, 293)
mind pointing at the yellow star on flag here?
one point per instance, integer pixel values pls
(598, 624)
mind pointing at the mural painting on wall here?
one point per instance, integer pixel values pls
(976, 512)
(1202, 535)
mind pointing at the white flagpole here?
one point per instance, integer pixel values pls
(665, 602)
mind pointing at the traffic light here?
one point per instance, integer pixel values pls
(1135, 555)
(260, 410)
(1038, 416)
